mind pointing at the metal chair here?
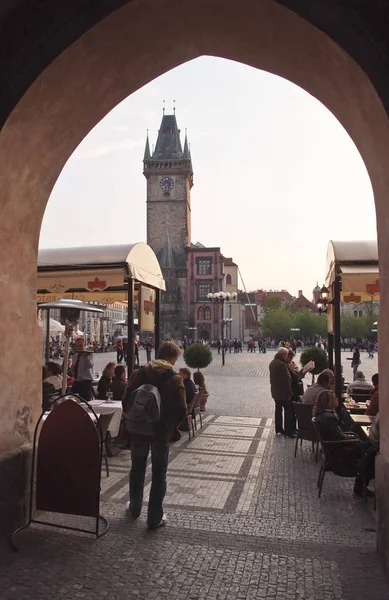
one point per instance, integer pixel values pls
(360, 394)
(334, 458)
(105, 420)
(196, 412)
(190, 416)
(305, 429)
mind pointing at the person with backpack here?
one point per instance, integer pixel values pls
(154, 406)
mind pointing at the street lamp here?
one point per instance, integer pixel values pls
(222, 297)
(323, 300)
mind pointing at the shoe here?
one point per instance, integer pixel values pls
(134, 513)
(291, 435)
(359, 492)
(282, 432)
(162, 522)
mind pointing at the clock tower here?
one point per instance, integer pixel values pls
(169, 174)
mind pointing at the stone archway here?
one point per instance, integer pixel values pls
(114, 58)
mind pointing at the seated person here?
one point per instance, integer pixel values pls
(359, 384)
(330, 429)
(190, 388)
(190, 391)
(105, 380)
(372, 409)
(53, 375)
(323, 383)
(199, 381)
(119, 383)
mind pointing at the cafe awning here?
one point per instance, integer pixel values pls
(96, 273)
(357, 265)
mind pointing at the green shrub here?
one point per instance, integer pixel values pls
(319, 357)
(197, 356)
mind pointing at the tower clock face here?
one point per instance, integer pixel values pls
(167, 184)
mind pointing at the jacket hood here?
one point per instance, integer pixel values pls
(156, 369)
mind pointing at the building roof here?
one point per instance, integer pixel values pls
(228, 262)
(147, 154)
(165, 255)
(303, 303)
(168, 144)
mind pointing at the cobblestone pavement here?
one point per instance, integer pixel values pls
(244, 520)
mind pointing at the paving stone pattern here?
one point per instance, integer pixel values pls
(244, 519)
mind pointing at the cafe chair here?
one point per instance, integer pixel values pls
(334, 460)
(197, 409)
(190, 416)
(360, 394)
(104, 420)
(305, 429)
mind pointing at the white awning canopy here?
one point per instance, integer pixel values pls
(357, 264)
(97, 273)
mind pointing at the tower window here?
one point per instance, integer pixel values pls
(204, 266)
(168, 131)
(203, 289)
(228, 279)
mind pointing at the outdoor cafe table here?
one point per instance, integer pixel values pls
(100, 407)
(362, 419)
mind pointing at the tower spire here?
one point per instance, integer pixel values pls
(147, 154)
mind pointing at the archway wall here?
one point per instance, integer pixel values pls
(132, 46)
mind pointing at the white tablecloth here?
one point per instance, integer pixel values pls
(99, 406)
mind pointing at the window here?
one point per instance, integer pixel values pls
(228, 279)
(204, 266)
(200, 314)
(203, 289)
(358, 313)
(168, 131)
(207, 313)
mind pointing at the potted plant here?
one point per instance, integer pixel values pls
(319, 357)
(199, 357)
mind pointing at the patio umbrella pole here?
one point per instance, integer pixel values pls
(68, 335)
(47, 335)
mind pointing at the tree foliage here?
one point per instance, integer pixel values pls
(276, 323)
(357, 327)
(197, 356)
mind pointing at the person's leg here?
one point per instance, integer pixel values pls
(159, 463)
(139, 454)
(278, 417)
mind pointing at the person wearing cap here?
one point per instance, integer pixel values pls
(281, 391)
(82, 366)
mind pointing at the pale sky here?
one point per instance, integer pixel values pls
(275, 174)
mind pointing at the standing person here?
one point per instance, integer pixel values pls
(136, 352)
(281, 391)
(82, 366)
(355, 361)
(119, 350)
(125, 348)
(148, 347)
(218, 344)
(158, 373)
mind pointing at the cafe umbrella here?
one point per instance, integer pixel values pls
(69, 317)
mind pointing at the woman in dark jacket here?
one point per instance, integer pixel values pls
(348, 456)
(105, 380)
(118, 384)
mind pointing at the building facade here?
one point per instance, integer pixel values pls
(169, 174)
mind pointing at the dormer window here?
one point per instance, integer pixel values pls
(168, 131)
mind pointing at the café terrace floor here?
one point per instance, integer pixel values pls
(244, 520)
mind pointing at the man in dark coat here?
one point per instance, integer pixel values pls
(281, 391)
(159, 373)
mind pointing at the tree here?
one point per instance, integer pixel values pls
(319, 357)
(277, 323)
(197, 356)
(274, 303)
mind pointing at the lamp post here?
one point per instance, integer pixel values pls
(221, 298)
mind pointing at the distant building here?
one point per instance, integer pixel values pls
(302, 303)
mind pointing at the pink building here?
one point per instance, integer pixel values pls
(205, 275)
